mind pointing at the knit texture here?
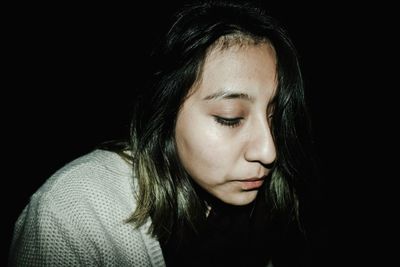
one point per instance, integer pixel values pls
(77, 218)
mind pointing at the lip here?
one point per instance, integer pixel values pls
(252, 183)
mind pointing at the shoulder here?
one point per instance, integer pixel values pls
(97, 162)
(97, 179)
(82, 210)
(95, 170)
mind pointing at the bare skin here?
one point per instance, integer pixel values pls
(223, 132)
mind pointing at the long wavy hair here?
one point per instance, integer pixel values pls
(166, 193)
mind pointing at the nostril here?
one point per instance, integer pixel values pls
(269, 165)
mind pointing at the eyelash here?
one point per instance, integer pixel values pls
(230, 122)
(234, 122)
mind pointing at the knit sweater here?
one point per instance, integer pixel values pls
(77, 218)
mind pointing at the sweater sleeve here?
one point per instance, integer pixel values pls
(43, 236)
(78, 218)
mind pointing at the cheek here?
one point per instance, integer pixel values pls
(202, 147)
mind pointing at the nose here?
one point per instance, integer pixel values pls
(260, 146)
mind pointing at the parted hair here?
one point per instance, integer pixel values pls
(166, 193)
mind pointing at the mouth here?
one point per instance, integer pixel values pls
(251, 183)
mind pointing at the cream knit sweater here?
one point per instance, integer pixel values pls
(77, 218)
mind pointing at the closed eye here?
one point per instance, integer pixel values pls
(230, 122)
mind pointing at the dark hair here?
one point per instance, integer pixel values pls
(166, 192)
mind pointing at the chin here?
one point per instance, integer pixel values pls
(240, 198)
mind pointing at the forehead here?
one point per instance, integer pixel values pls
(241, 51)
(239, 68)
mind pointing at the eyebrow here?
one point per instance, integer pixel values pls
(229, 95)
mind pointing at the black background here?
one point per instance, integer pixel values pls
(72, 69)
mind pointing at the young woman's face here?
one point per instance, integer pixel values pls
(223, 131)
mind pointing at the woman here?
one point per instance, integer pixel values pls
(216, 166)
